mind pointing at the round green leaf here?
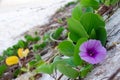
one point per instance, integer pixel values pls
(3, 68)
(85, 70)
(101, 35)
(45, 68)
(66, 48)
(90, 3)
(68, 71)
(77, 12)
(77, 59)
(76, 28)
(74, 37)
(90, 21)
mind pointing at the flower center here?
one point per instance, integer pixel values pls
(91, 53)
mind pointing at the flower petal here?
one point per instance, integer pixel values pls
(83, 47)
(25, 53)
(12, 60)
(86, 58)
(20, 52)
(101, 50)
(93, 44)
(100, 57)
(101, 54)
(95, 48)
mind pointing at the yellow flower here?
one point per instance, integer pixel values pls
(23, 53)
(12, 60)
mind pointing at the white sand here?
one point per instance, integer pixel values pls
(9, 3)
(18, 16)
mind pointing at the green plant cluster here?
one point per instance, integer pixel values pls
(84, 24)
(13, 50)
(35, 45)
(109, 2)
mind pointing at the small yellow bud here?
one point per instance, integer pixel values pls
(12, 60)
(23, 53)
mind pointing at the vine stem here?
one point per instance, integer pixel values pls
(53, 38)
(60, 77)
(51, 58)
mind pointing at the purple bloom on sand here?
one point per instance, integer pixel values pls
(92, 51)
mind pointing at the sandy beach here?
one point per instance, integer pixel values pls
(9, 3)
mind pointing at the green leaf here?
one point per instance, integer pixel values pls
(71, 3)
(58, 60)
(77, 59)
(43, 45)
(90, 21)
(38, 57)
(32, 63)
(36, 47)
(68, 71)
(45, 68)
(85, 70)
(99, 1)
(9, 52)
(16, 46)
(3, 68)
(93, 34)
(69, 61)
(112, 2)
(36, 33)
(76, 28)
(66, 48)
(57, 33)
(107, 3)
(90, 3)
(24, 69)
(37, 38)
(22, 44)
(16, 72)
(77, 12)
(39, 46)
(46, 37)
(88, 9)
(39, 63)
(101, 35)
(103, 1)
(73, 37)
(29, 38)
(1, 58)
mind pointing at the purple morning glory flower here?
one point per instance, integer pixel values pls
(92, 51)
